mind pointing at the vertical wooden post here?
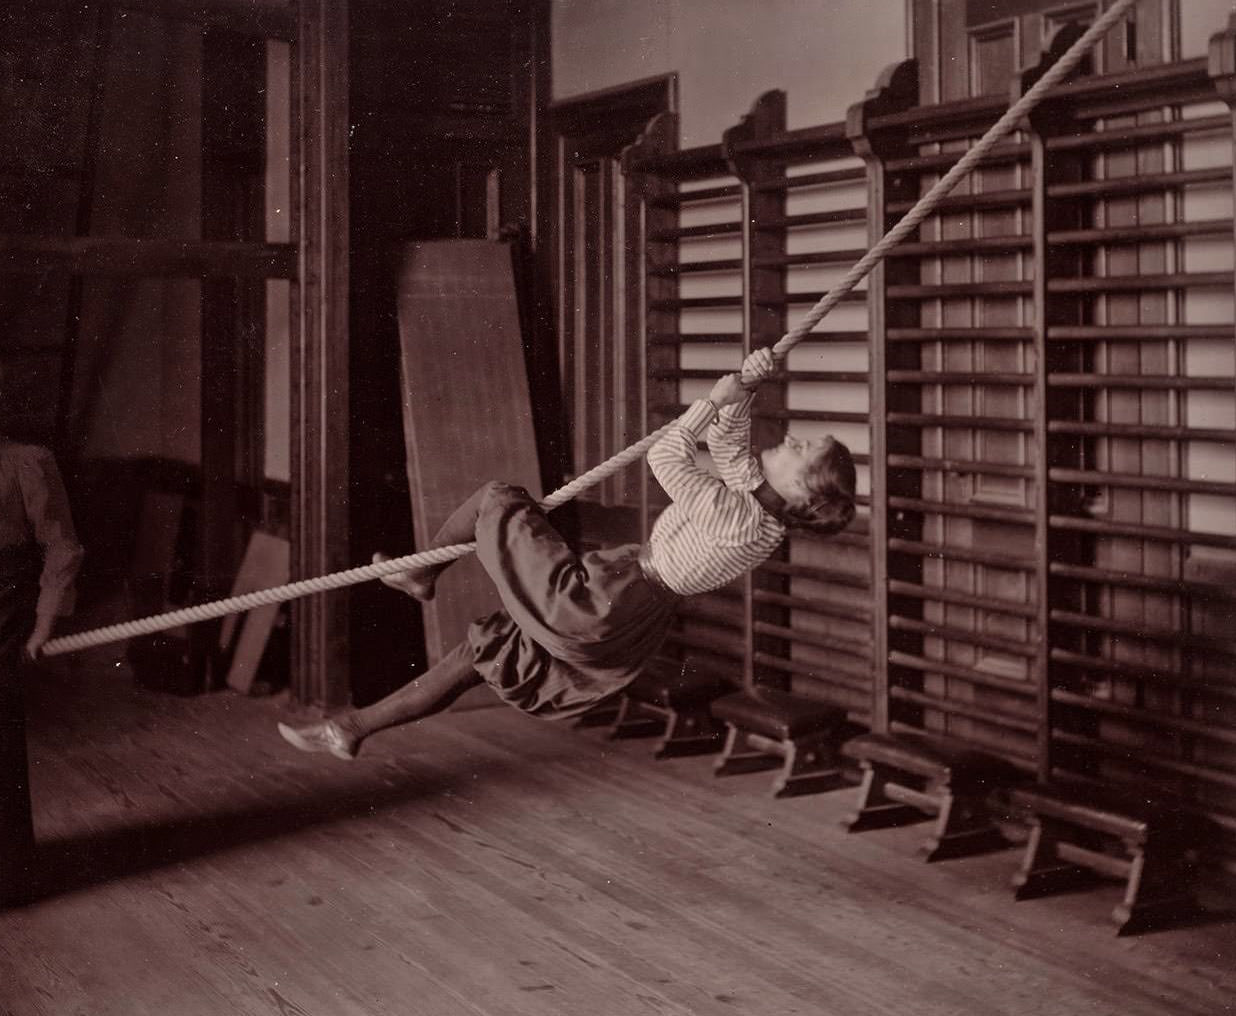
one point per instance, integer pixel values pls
(896, 89)
(658, 138)
(319, 356)
(1047, 118)
(763, 308)
(1222, 68)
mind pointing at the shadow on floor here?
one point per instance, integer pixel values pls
(63, 866)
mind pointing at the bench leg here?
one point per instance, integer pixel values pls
(735, 760)
(810, 766)
(634, 720)
(963, 828)
(876, 810)
(1043, 871)
(1159, 891)
(689, 732)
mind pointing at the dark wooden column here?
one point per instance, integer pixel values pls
(763, 324)
(319, 354)
(896, 90)
(653, 327)
(1051, 545)
(1222, 69)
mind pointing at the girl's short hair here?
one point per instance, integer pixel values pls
(830, 479)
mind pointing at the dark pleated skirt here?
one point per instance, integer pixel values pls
(19, 587)
(576, 629)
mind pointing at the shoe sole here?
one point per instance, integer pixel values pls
(294, 739)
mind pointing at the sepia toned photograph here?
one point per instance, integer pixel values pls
(617, 508)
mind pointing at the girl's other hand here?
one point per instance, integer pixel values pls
(727, 391)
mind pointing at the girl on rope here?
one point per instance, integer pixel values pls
(577, 629)
(39, 557)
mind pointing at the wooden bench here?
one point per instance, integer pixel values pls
(672, 698)
(768, 727)
(1079, 835)
(908, 776)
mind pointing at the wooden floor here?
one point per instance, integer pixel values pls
(488, 864)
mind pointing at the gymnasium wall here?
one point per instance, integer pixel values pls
(726, 52)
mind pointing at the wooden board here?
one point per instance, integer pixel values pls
(466, 410)
(265, 564)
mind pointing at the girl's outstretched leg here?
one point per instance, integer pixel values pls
(425, 695)
(460, 527)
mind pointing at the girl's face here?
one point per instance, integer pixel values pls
(785, 464)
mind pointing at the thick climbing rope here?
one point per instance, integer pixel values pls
(439, 555)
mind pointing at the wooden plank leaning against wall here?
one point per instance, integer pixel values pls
(1090, 380)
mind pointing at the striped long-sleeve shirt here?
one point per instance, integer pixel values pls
(715, 530)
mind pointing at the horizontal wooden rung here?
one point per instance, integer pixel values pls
(851, 676)
(1136, 333)
(1146, 382)
(679, 338)
(1156, 719)
(779, 377)
(1137, 430)
(986, 334)
(826, 257)
(964, 467)
(958, 289)
(697, 267)
(1139, 283)
(851, 610)
(779, 222)
(935, 377)
(1139, 184)
(695, 302)
(1136, 580)
(990, 513)
(1140, 234)
(939, 594)
(958, 552)
(817, 415)
(1164, 534)
(141, 258)
(1021, 758)
(817, 639)
(928, 629)
(1000, 154)
(1161, 676)
(1024, 688)
(1136, 629)
(962, 245)
(688, 232)
(812, 296)
(832, 576)
(1140, 481)
(857, 174)
(1146, 758)
(989, 199)
(1123, 137)
(983, 713)
(967, 422)
(686, 197)
(1118, 104)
